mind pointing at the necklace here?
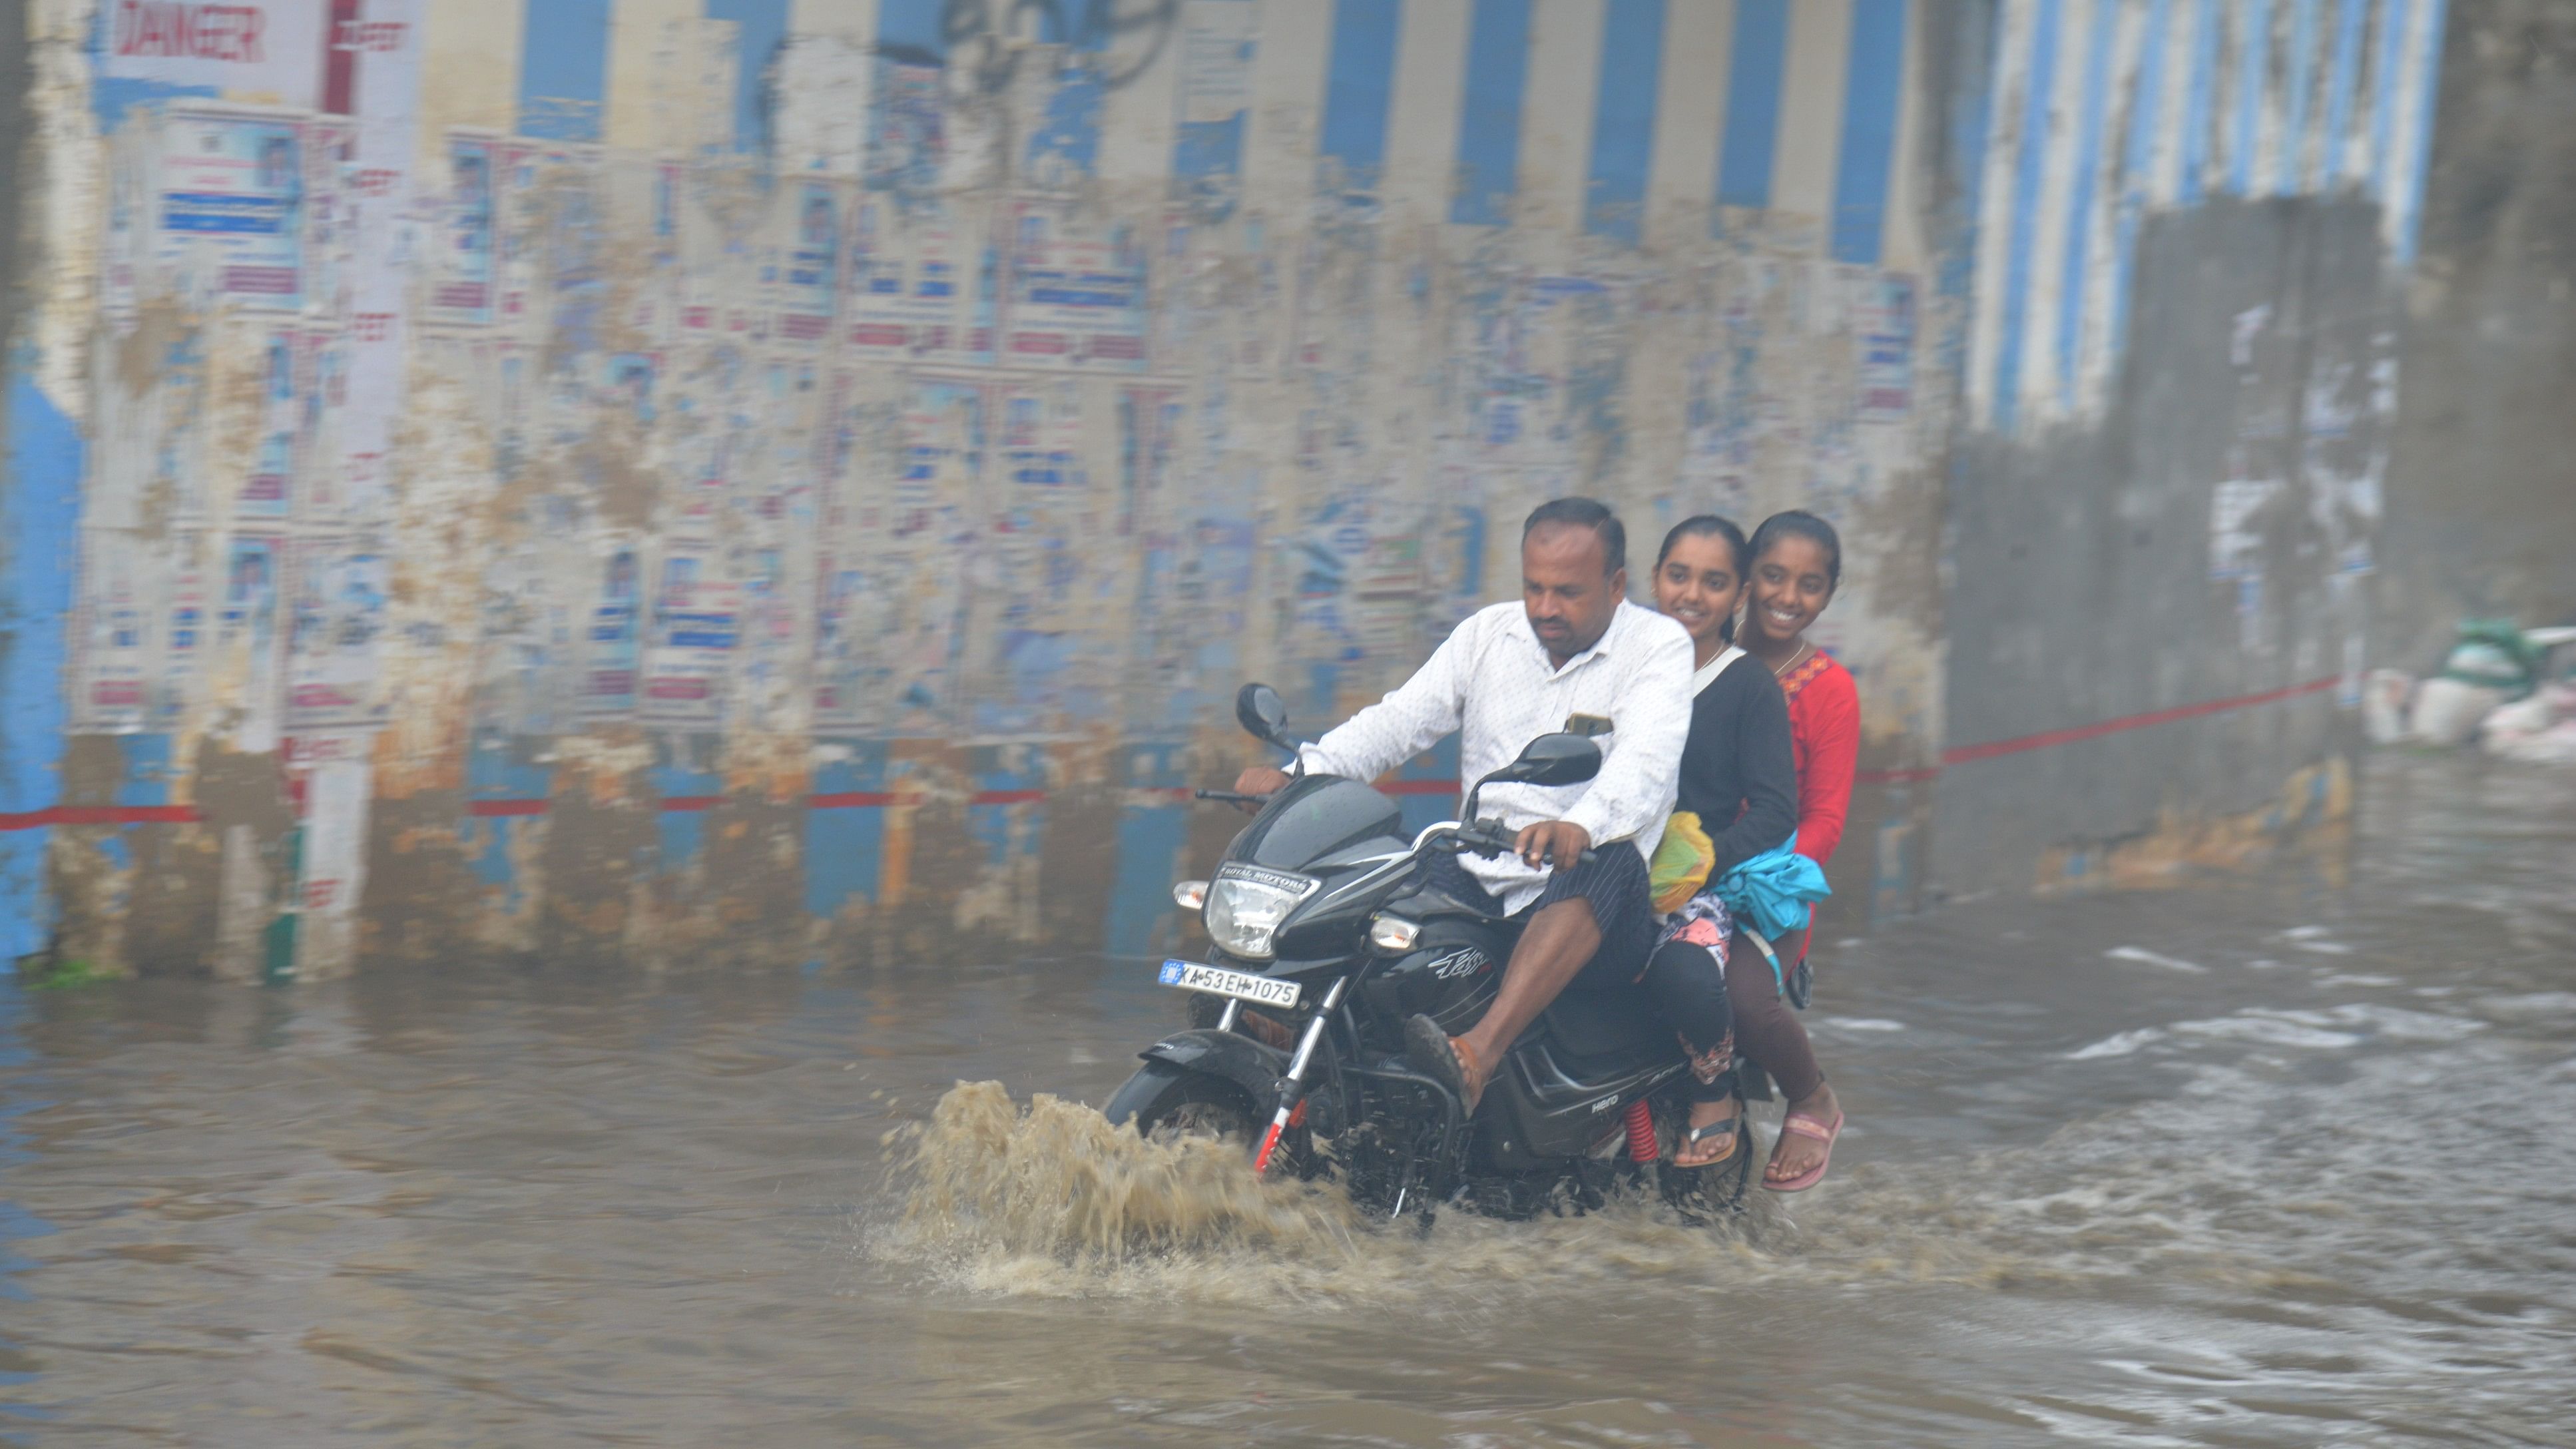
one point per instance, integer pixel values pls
(1795, 659)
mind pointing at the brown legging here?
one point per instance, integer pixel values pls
(1766, 1030)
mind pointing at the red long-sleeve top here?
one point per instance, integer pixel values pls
(1824, 736)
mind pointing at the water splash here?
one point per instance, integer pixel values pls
(1049, 1200)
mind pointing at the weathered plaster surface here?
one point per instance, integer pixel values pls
(819, 510)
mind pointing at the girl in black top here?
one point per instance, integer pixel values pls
(1739, 776)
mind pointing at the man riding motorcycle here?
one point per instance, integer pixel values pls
(1574, 656)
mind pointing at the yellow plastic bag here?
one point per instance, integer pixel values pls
(1682, 862)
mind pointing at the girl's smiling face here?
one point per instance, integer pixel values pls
(1791, 585)
(1697, 585)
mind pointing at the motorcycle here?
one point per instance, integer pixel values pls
(1327, 934)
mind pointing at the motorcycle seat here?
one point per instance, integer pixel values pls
(1594, 1025)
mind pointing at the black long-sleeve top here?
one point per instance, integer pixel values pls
(1738, 772)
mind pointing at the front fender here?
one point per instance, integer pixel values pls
(1248, 1064)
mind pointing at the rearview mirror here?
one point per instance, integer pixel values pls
(1558, 759)
(1263, 715)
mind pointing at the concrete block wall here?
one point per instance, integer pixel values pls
(800, 479)
(2490, 529)
(2167, 491)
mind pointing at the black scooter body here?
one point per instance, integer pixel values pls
(1558, 1094)
(1451, 974)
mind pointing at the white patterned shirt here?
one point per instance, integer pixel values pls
(1494, 683)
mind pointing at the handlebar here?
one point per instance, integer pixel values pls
(1489, 837)
(1481, 837)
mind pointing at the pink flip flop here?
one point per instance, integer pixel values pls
(1824, 1132)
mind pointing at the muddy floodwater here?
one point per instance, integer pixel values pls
(2280, 1163)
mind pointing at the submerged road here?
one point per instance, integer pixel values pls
(2282, 1163)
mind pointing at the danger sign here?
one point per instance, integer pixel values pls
(253, 51)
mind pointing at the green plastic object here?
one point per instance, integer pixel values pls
(2494, 654)
(277, 963)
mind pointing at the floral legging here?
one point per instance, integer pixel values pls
(1685, 977)
(1712, 1008)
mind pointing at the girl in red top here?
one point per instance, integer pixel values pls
(1797, 563)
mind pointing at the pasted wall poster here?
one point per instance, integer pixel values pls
(464, 289)
(695, 626)
(338, 614)
(233, 207)
(610, 656)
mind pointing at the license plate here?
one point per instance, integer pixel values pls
(1268, 990)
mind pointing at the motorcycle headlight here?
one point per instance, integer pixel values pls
(1242, 915)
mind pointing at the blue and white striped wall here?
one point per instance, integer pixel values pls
(1635, 121)
(2105, 110)
(1629, 120)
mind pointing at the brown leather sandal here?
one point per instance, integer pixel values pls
(1445, 1059)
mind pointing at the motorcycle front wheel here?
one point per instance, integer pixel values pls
(1162, 1099)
